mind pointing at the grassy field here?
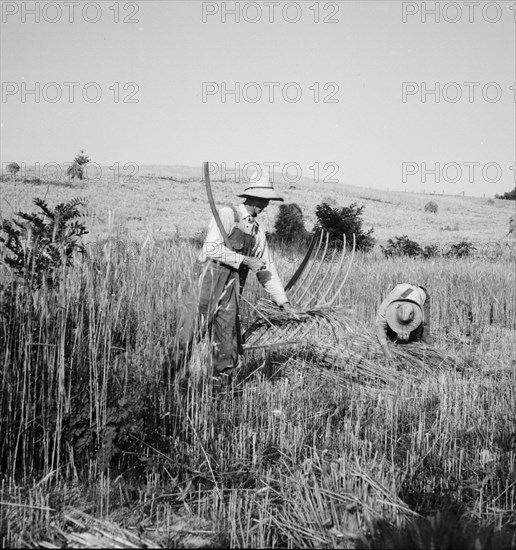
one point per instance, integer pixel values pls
(305, 448)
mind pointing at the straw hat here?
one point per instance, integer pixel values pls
(403, 316)
(260, 186)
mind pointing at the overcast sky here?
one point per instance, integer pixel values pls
(342, 88)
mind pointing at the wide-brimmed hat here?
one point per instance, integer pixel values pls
(403, 316)
(260, 186)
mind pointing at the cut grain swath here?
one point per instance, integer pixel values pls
(276, 327)
(91, 532)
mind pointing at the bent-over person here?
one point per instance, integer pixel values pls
(403, 317)
(223, 272)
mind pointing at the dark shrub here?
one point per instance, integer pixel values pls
(402, 246)
(431, 207)
(508, 195)
(462, 249)
(431, 251)
(344, 220)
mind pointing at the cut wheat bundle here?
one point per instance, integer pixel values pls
(424, 358)
(345, 363)
(416, 357)
(275, 325)
(339, 317)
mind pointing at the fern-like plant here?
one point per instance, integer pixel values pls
(38, 244)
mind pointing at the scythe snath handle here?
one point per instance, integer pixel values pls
(214, 210)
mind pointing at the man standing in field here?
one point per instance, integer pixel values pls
(222, 274)
(403, 317)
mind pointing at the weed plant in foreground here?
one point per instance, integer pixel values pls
(299, 450)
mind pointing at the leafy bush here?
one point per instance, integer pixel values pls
(431, 207)
(39, 244)
(403, 246)
(76, 170)
(462, 249)
(508, 195)
(431, 251)
(344, 220)
(289, 226)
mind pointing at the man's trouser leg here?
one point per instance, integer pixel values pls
(218, 305)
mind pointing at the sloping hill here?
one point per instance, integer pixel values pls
(167, 200)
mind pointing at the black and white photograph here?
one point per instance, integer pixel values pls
(258, 274)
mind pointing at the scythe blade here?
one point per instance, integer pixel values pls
(213, 207)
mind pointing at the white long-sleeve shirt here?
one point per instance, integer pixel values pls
(214, 248)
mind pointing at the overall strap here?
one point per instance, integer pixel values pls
(407, 292)
(236, 215)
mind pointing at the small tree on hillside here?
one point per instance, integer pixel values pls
(13, 168)
(344, 220)
(76, 170)
(289, 226)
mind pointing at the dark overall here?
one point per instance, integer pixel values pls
(217, 309)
